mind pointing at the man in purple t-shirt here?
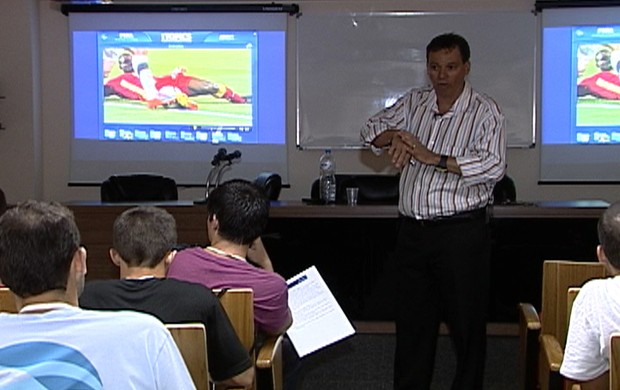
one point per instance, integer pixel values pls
(237, 213)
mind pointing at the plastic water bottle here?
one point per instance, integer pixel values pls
(327, 177)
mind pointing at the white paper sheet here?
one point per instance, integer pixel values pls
(318, 319)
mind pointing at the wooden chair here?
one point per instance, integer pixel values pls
(543, 336)
(7, 302)
(614, 361)
(191, 339)
(239, 306)
(570, 299)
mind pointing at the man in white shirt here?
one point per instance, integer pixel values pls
(54, 344)
(596, 313)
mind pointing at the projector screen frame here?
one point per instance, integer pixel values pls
(177, 9)
(291, 9)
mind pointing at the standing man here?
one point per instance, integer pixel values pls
(449, 141)
(51, 343)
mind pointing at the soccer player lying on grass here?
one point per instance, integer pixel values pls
(171, 91)
(604, 84)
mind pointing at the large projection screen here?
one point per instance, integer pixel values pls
(580, 95)
(116, 134)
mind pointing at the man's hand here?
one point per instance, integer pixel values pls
(258, 255)
(401, 148)
(420, 152)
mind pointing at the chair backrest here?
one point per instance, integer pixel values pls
(504, 191)
(7, 301)
(238, 303)
(271, 183)
(138, 188)
(558, 276)
(571, 295)
(191, 339)
(614, 361)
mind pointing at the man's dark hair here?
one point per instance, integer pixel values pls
(143, 235)
(37, 243)
(449, 41)
(242, 210)
(609, 234)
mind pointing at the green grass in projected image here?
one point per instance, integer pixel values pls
(229, 67)
(597, 112)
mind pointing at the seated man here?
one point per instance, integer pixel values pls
(595, 313)
(142, 239)
(52, 343)
(237, 213)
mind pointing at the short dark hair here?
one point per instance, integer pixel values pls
(609, 234)
(143, 235)
(449, 41)
(37, 243)
(242, 209)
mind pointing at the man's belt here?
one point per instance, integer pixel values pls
(465, 216)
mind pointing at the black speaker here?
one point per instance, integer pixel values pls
(271, 183)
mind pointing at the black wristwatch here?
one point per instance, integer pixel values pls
(442, 165)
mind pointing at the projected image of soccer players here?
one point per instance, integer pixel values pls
(602, 80)
(598, 88)
(159, 79)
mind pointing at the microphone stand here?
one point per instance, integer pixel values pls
(215, 173)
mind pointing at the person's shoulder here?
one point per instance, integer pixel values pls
(97, 287)
(273, 280)
(419, 92)
(597, 290)
(481, 99)
(120, 316)
(189, 252)
(187, 288)
(599, 285)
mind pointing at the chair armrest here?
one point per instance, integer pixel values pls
(551, 355)
(269, 365)
(528, 316)
(269, 351)
(529, 332)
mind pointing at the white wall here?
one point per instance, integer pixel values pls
(34, 77)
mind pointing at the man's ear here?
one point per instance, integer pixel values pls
(79, 261)
(600, 254)
(115, 257)
(170, 257)
(213, 222)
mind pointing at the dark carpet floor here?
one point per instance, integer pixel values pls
(365, 361)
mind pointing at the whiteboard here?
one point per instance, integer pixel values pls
(351, 65)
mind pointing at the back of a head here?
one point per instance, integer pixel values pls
(449, 41)
(242, 210)
(609, 234)
(37, 243)
(144, 235)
